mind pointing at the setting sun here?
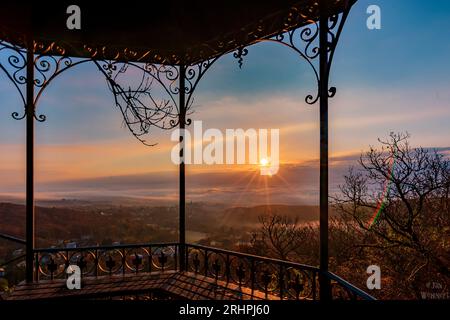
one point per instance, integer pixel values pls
(263, 162)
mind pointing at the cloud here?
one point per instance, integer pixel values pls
(294, 183)
(355, 123)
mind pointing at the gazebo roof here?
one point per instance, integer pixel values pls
(169, 32)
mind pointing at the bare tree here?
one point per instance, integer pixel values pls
(399, 198)
(277, 236)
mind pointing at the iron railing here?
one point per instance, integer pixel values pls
(12, 238)
(344, 290)
(51, 263)
(275, 279)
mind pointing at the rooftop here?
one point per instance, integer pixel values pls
(169, 32)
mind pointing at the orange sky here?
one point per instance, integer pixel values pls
(84, 157)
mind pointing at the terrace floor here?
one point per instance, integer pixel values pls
(154, 285)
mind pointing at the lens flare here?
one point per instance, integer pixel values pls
(387, 186)
(264, 162)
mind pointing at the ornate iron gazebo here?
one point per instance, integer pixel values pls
(172, 44)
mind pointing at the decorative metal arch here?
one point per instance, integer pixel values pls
(305, 42)
(163, 113)
(45, 69)
(166, 113)
(140, 108)
(31, 74)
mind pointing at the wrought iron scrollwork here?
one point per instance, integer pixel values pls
(17, 115)
(239, 54)
(305, 42)
(137, 101)
(263, 277)
(46, 69)
(267, 278)
(100, 261)
(194, 74)
(152, 102)
(14, 64)
(140, 109)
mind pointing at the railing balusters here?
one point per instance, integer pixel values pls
(36, 264)
(281, 281)
(96, 263)
(266, 277)
(52, 267)
(67, 263)
(176, 258)
(314, 285)
(206, 263)
(123, 261)
(150, 258)
(227, 268)
(186, 256)
(252, 274)
(104, 263)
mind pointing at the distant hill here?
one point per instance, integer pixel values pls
(139, 223)
(249, 216)
(50, 222)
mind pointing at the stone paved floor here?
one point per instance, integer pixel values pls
(177, 285)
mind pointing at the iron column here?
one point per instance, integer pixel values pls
(182, 200)
(324, 281)
(29, 109)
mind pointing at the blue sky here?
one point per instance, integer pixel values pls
(412, 48)
(393, 79)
